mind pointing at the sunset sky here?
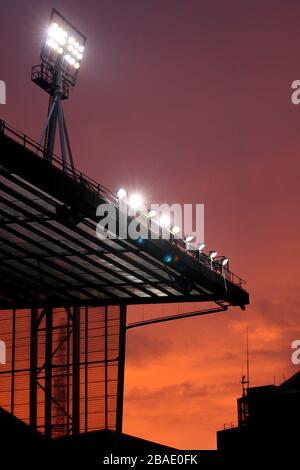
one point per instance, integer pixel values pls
(187, 101)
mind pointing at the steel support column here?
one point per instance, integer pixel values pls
(76, 372)
(48, 372)
(106, 365)
(13, 354)
(33, 367)
(121, 369)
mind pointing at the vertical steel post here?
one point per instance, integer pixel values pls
(106, 366)
(48, 372)
(86, 358)
(76, 371)
(68, 369)
(33, 368)
(121, 369)
(13, 354)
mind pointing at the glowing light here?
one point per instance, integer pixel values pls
(152, 214)
(212, 254)
(136, 201)
(201, 247)
(121, 193)
(50, 42)
(54, 34)
(225, 261)
(168, 258)
(175, 230)
(164, 220)
(62, 39)
(189, 238)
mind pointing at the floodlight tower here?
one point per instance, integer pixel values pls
(61, 57)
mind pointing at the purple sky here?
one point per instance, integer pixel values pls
(187, 101)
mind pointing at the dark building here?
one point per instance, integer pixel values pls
(268, 424)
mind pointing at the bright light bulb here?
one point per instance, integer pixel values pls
(151, 214)
(189, 238)
(175, 230)
(53, 33)
(77, 65)
(79, 56)
(72, 61)
(136, 201)
(55, 46)
(70, 47)
(76, 44)
(225, 261)
(164, 220)
(60, 50)
(201, 247)
(54, 26)
(81, 48)
(121, 193)
(213, 254)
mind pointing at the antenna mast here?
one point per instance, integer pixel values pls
(246, 379)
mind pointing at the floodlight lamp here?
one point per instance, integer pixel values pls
(62, 38)
(164, 220)
(136, 201)
(152, 213)
(212, 254)
(189, 238)
(225, 261)
(175, 230)
(201, 247)
(121, 193)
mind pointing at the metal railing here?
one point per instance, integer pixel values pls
(230, 425)
(112, 198)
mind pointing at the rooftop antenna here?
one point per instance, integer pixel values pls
(61, 58)
(246, 378)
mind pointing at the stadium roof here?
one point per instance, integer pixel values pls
(50, 255)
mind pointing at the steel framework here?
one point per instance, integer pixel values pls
(66, 292)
